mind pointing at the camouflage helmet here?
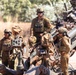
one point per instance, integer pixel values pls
(40, 10)
(8, 31)
(16, 29)
(32, 40)
(62, 30)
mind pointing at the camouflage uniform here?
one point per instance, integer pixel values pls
(6, 49)
(64, 48)
(38, 26)
(19, 47)
(46, 44)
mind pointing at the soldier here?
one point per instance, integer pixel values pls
(40, 24)
(6, 48)
(17, 44)
(47, 42)
(32, 43)
(47, 45)
(64, 48)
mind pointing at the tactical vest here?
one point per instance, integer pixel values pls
(61, 45)
(6, 44)
(39, 26)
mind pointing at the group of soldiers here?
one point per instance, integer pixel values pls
(40, 37)
(40, 28)
(7, 46)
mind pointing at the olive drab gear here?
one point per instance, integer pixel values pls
(64, 49)
(6, 44)
(40, 10)
(6, 51)
(39, 26)
(8, 31)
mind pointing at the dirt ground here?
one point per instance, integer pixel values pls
(25, 33)
(24, 26)
(8, 25)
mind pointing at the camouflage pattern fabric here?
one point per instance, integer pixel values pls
(39, 26)
(6, 50)
(64, 50)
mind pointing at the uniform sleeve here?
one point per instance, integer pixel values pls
(67, 44)
(48, 25)
(47, 22)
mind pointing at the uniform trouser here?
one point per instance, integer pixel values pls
(6, 61)
(64, 63)
(37, 35)
(9, 63)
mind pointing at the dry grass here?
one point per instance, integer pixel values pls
(25, 28)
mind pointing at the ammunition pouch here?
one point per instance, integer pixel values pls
(6, 49)
(39, 27)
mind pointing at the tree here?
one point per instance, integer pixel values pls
(14, 8)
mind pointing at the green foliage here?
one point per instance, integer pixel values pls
(14, 8)
(25, 10)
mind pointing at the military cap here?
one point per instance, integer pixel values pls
(7, 31)
(16, 29)
(40, 10)
(62, 30)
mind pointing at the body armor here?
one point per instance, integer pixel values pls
(6, 44)
(39, 27)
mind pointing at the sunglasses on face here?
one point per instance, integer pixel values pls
(40, 12)
(6, 32)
